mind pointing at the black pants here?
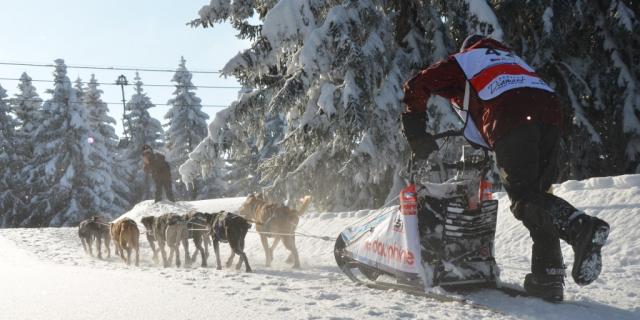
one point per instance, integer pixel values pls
(527, 158)
(168, 190)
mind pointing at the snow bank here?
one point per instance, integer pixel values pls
(319, 290)
(614, 199)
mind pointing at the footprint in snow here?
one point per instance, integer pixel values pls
(375, 313)
(328, 296)
(404, 315)
(350, 305)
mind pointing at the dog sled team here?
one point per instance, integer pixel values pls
(173, 231)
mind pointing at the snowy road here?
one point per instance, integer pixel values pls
(44, 274)
(68, 285)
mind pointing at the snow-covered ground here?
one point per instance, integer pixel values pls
(44, 273)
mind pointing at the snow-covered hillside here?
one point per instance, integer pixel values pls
(44, 274)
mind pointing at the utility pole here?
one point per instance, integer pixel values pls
(122, 81)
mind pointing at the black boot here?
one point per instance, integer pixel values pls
(547, 287)
(589, 235)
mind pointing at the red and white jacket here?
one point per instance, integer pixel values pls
(493, 89)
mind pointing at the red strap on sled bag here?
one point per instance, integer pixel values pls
(485, 191)
(409, 200)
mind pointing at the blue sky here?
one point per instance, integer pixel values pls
(139, 33)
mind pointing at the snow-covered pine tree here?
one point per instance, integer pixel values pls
(595, 72)
(62, 185)
(9, 198)
(324, 116)
(319, 108)
(27, 106)
(79, 86)
(104, 141)
(186, 126)
(140, 129)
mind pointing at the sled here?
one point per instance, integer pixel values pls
(440, 235)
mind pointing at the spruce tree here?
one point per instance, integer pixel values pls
(103, 141)
(79, 86)
(323, 117)
(323, 120)
(27, 106)
(595, 72)
(62, 186)
(186, 126)
(9, 200)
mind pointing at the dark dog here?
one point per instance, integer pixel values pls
(228, 227)
(199, 230)
(126, 236)
(277, 221)
(96, 229)
(148, 223)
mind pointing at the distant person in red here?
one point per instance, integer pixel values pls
(155, 164)
(507, 108)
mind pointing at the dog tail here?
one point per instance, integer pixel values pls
(306, 201)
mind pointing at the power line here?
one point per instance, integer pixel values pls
(144, 84)
(49, 65)
(120, 103)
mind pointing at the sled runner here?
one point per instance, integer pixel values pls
(441, 234)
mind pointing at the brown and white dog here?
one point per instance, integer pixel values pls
(277, 221)
(126, 236)
(176, 234)
(169, 229)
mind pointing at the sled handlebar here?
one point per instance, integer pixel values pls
(462, 165)
(449, 133)
(481, 163)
